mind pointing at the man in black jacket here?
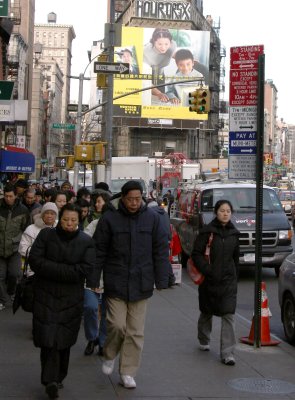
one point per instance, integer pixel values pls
(14, 218)
(132, 250)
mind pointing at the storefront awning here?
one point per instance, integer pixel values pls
(15, 159)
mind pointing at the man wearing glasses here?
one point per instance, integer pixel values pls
(133, 253)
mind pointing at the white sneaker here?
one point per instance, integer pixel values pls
(128, 381)
(2, 307)
(204, 347)
(108, 366)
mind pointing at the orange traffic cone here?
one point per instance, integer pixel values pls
(265, 315)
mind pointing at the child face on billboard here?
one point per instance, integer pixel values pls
(185, 66)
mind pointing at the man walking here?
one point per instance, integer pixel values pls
(132, 251)
(14, 218)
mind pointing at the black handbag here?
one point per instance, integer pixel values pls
(24, 292)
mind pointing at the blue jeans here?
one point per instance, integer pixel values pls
(93, 328)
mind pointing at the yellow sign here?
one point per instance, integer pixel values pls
(173, 62)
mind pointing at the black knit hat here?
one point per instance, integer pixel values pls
(131, 185)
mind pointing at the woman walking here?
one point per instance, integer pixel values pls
(62, 258)
(218, 292)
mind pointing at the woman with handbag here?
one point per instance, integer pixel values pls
(218, 292)
(62, 259)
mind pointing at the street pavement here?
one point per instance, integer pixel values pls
(172, 365)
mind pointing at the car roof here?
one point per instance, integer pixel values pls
(220, 185)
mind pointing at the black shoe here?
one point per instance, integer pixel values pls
(90, 348)
(52, 390)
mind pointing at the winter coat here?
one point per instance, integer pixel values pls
(13, 222)
(218, 292)
(30, 234)
(132, 250)
(164, 218)
(61, 262)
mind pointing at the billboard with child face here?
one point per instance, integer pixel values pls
(171, 62)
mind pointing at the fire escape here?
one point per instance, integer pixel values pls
(16, 44)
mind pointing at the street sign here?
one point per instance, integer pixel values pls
(241, 167)
(243, 98)
(68, 127)
(243, 119)
(111, 68)
(243, 87)
(6, 88)
(74, 107)
(3, 8)
(244, 75)
(242, 143)
(245, 57)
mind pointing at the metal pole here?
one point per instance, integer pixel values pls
(78, 129)
(259, 202)
(109, 110)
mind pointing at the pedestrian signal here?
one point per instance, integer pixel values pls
(200, 101)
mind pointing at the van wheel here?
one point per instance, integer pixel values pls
(288, 317)
(277, 270)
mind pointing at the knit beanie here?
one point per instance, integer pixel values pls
(131, 185)
(49, 207)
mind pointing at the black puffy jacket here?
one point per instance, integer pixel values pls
(61, 264)
(132, 252)
(218, 292)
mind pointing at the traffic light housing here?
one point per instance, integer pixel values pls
(61, 161)
(200, 101)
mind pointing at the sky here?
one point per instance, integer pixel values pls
(242, 23)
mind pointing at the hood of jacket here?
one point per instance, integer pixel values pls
(38, 221)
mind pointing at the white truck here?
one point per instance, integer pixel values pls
(123, 170)
(136, 168)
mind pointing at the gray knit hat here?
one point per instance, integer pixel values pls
(49, 207)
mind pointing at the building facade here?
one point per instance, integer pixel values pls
(53, 54)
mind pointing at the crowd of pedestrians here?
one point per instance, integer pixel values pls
(98, 258)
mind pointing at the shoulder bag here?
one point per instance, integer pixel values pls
(196, 276)
(24, 289)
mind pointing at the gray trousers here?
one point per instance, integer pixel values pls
(227, 335)
(125, 333)
(10, 271)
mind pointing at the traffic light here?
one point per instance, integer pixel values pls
(200, 100)
(61, 161)
(70, 161)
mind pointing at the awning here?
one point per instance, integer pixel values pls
(15, 159)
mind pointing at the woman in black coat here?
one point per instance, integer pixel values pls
(218, 292)
(62, 258)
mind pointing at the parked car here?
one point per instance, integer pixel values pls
(287, 296)
(287, 198)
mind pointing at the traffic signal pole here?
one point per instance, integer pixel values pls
(78, 130)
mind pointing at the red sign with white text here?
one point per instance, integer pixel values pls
(244, 75)
(245, 57)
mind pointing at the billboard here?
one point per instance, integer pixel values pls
(174, 62)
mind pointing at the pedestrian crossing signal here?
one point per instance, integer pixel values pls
(200, 101)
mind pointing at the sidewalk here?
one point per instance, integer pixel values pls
(172, 366)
